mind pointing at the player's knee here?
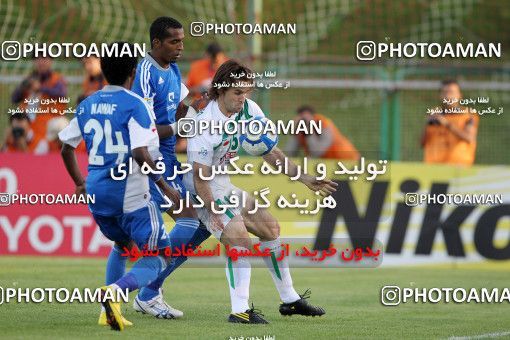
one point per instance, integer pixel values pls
(272, 230)
(235, 234)
(238, 232)
(242, 242)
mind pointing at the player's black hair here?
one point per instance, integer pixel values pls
(223, 77)
(304, 108)
(159, 28)
(19, 116)
(213, 49)
(117, 69)
(446, 82)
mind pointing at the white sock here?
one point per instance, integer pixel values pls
(279, 271)
(238, 277)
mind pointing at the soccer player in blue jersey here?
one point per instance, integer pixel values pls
(158, 81)
(116, 124)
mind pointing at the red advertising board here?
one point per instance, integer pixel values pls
(44, 229)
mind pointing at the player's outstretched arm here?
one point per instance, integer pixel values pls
(69, 158)
(325, 186)
(183, 111)
(164, 131)
(198, 104)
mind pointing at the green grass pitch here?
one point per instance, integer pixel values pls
(351, 298)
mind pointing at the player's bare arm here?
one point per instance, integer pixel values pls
(183, 110)
(73, 169)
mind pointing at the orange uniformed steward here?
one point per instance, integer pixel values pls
(330, 144)
(450, 138)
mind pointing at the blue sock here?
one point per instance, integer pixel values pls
(115, 266)
(143, 272)
(199, 236)
(186, 231)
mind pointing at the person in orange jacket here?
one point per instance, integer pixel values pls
(450, 138)
(39, 87)
(330, 144)
(202, 71)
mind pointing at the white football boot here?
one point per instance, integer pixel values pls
(157, 307)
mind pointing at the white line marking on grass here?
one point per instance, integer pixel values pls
(482, 336)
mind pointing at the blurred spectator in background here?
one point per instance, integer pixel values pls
(330, 144)
(52, 143)
(202, 71)
(450, 138)
(43, 83)
(19, 135)
(21, 138)
(199, 80)
(94, 79)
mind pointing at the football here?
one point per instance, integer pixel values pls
(260, 137)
